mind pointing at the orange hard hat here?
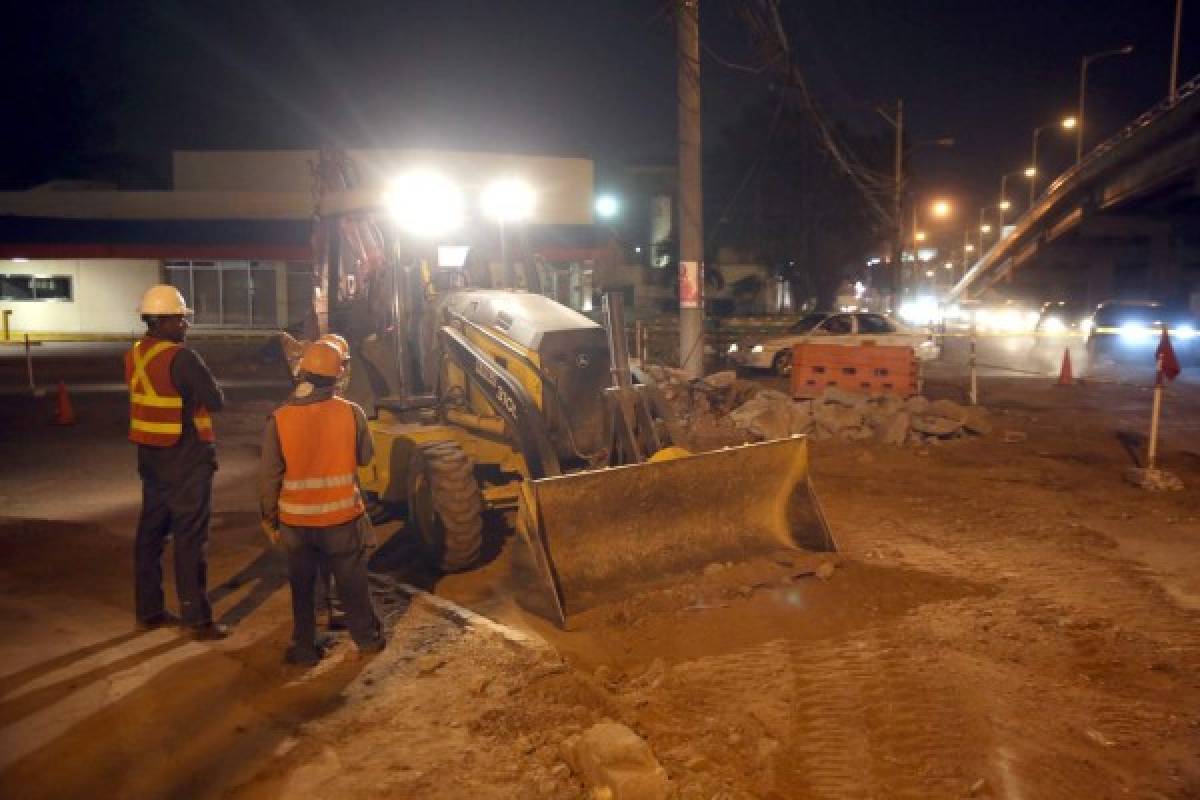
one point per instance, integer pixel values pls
(339, 342)
(321, 358)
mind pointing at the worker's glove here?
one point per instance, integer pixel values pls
(271, 530)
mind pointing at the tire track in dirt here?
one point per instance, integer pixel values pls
(872, 719)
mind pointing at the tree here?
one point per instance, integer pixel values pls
(774, 194)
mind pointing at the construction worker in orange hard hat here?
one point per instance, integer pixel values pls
(343, 347)
(171, 393)
(310, 501)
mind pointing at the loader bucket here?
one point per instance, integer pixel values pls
(593, 537)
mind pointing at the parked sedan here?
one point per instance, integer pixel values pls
(775, 353)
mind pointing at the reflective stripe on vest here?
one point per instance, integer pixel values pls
(319, 442)
(155, 405)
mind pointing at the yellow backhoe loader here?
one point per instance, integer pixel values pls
(500, 398)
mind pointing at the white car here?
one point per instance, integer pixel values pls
(775, 353)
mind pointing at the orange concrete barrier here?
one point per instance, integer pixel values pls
(866, 369)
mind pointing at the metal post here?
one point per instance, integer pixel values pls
(7, 316)
(29, 365)
(1152, 449)
(974, 395)
(1173, 90)
(639, 340)
(691, 230)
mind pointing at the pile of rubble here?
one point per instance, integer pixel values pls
(723, 403)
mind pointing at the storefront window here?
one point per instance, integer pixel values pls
(231, 294)
(36, 287)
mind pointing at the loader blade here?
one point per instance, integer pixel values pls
(593, 537)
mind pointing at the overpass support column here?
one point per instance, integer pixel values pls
(1165, 280)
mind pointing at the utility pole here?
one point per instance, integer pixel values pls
(691, 230)
(691, 197)
(898, 204)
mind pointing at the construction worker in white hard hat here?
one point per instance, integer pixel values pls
(171, 393)
(310, 501)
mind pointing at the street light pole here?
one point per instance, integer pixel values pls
(1083, 71)
(1004, 204)
(1066, 124)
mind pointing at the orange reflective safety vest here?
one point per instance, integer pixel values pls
(320, 454)
(155, 405)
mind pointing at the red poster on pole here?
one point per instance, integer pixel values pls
(689, 284)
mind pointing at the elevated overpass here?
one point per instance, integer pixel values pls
(1124, 220)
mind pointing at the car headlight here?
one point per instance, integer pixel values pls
(1085, 325)
(1054, 325)
(758, 348)
(1133, 332)
(733, 348)
(1185, 331)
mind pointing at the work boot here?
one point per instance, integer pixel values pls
(162, 619)
(305, 656)
(331, 620)
(209, 632)
(371, 648)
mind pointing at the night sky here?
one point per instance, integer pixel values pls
(109, 88)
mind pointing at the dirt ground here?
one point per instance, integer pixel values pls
(1005, 620)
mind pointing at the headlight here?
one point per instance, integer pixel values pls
(1085, 325)
(1185, 331)
(1054, 325)
(733, 348)
(758, 348)
(1133, 332)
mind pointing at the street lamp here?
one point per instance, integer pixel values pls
(506, 200)
(940, 208)
(1083, 70)
(1067, 123)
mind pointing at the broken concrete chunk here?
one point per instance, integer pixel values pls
(841, 397)
(614, 761)
(895, 430)
(833, 418)
(917, 404)
(977, 421)
(802, 417)
(1155, 480)
(935, 426)
(948, 409)
(719, 380)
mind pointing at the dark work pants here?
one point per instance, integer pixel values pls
(342, 551)
(179, 508)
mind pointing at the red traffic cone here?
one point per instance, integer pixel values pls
(65, 413)
(1064, 374)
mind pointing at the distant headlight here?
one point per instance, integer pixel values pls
(1133, 332)
(758, 348)
(733, 348)
(1054, 325)
(1185, 331)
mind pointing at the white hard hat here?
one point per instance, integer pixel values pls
(163, 300)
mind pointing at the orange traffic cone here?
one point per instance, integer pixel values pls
(65, 413)
(1064, 374)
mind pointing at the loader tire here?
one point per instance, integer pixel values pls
(782, 363)
(445, 506)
